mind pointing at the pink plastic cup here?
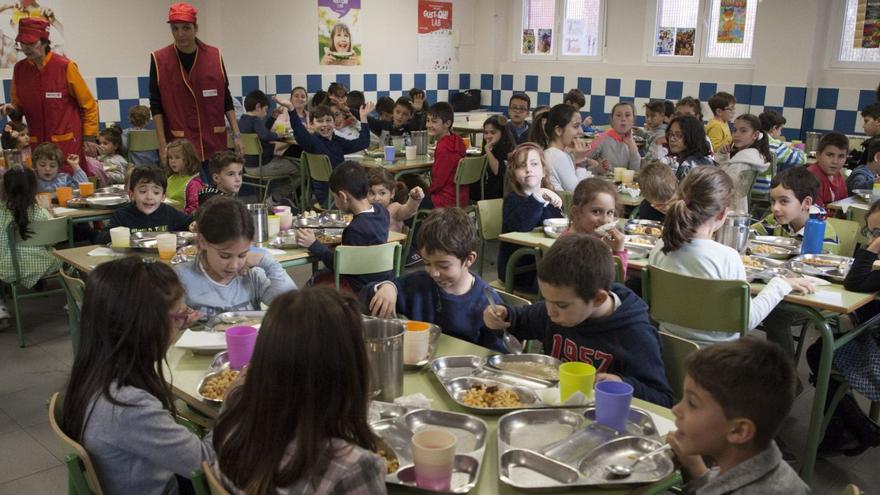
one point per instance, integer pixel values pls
(240, 345)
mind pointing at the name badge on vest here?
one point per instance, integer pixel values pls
(209, 92)
(55, 96)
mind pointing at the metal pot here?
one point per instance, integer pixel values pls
(260, 213)
(384, 342)
(420, 139)
(735, 231)
(813, 141)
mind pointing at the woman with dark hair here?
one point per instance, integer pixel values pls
(562, 126)
(298, 424)
(118, 404)
(688, 147)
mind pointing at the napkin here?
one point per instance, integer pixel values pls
(354, 156)
(103, 251)
(202, 340)
(550, 396)
(663, 425)
(419, 401)
(60, 210)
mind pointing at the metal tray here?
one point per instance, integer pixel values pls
(433, 340)
(284, 240)
(471, 434)
(218, 366)
(459, 386)
(835, 269)
(644, 227)
(757, 264)
(231, 318)
(864, 194)
(147, 240)
(779, 241)
(451, 367)
(106, 201)
(322, 220)
(500, 361)
(772, 251)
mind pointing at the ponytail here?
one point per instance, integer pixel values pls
(762, 143)
(704, 193)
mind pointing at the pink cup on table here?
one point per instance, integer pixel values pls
(433, 458)
(240, 343)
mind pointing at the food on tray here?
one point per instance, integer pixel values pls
(750, 262)
(602, 230)
(391, 464)
(328, 239)
(767, 249)
(190, 250)
(347, 217)
(215, 387)
(243, 321)
(647, 230)
(640, 241)
(491, 396)
(310, 214)
(541, 371)
(820, 262)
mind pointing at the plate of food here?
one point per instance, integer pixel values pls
(772, 251)
(216, 382)
(830, 266)
(646, 227)
(554, 227)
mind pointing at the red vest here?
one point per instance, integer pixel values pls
(194, 103)
(52, 112)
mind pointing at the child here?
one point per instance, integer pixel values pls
(226, 169)
(401, 120)
(562, 127)
(147, 211)
(316, 439)
(517, 111)
(749, 156)
(340, 51)
(118, 403)
(871, 126)
(15, 137)
(349, 186)
(139, 117)
(863, 176)
(256, 121)
(420, 114)
(227, 275)
(736, 396)
(109, 154)
(686, 247)
(593, 205)
(299, 98)
(690, 106)
(385, 108)
(688, 147)
(450, 149)
(616, 145)
(587, 317)
(47, 160)
(392, 195)
(723, 106)
(536, 130)
(184, 183)
(446, 293)
(20, 208)
(527, 205)
(655, 121)
(657, 183)
(576, 99)
(784, 155)
(830, 159)
(498, 142)
(668, 110)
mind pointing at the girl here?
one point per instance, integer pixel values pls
(527, 205)
(109, 148)
(184, 182)
(497, 144)
(593, 205)
(687, 144)
(536, 131)
(616, 145)
(689, 106)
(562, 126)
(392, 195)
(698, 210)
(749, 157)
(340, 50)
(279, 433)
(15, 137)
(20, 208)
(118, 404)
(300, 99)
(223, 277)
(139, 116)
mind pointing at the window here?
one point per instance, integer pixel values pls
(858, 41)
(575, 34)
(703, 31)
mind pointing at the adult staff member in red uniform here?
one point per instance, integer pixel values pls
(189, 91)
(48, 90)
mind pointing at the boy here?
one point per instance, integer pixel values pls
(576, 99)
(401, 120)
(47, 159)
(139, 116)
(657, 182)
(655, 120)
(864, 175)
(785, 156)
(446, 293)
(517, 111)
(830, 159)
(256, 121)
(226, 169)
(871, 126)
(587, 317)
(420, 114)
(450, 149)
(736, 395)
(385, 108)
(723, 106)
(147, 212)
(349, 186)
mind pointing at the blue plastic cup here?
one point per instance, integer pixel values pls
(389, 153)
(612, 404)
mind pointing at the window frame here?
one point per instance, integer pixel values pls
(837, 10)
(558, 25)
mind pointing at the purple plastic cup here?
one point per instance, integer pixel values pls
(612, 404)
(240, 345)
(389, 153)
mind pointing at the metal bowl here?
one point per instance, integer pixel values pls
(864, 194)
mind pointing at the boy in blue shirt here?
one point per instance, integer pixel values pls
(517, 111)
(586, 316)
(446, 293)
(863, 176)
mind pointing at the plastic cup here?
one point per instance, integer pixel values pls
(612, 404)
(120, 237)
(286, 221)
(628, 176)
(64, 194)
(411, 152)
(274, 223)
(278, 210)
(240, 343)
(86, 189)
(44, 199)
(416, 341)
(576, 376)
(467, 142)
(389, 153)
(167, 244)
(433, 456)
(618, 173)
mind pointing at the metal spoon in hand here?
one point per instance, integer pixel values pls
(623, 471)
(510, 342)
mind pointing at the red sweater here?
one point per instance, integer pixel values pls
(830, 188)
(450, 149)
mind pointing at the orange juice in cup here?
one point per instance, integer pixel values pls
(167, 244)
(64, 194)
(86, 189)
(467, 142)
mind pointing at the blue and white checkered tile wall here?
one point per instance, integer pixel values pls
(805, 109)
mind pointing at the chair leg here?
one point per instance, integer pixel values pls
(799, 349)
(17, 311)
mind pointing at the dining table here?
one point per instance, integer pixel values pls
(81, 215)
(400, 166)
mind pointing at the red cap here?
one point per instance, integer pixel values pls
(182, 12)
(32, 29)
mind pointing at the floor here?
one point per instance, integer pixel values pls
(31, 457)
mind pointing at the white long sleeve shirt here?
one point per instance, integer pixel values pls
(564, 175)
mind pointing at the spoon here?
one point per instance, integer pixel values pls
(624, 471)
(510, 342)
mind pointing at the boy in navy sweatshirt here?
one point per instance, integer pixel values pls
(587, 317)
(446, 293)
(349, 186)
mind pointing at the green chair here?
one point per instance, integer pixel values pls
(671, 297)
(254, 147)
(470, 170)
(512, 270)
(46, 233)
(847, 232)
(74, 288)
(671, 484)
(362, 260)
(488, 225)
(82, 479)
(319, 169)
(858, 215)
(619, 272)
(200, 482)
(418, 217)
(567, 197)
(214, 485)
(145, 140)
(675, 351)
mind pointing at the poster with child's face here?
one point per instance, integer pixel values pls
(339, 32)
(13, 11)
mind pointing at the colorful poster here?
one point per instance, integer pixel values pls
(578, 38)
(13, 11)
(665, 41)
(436, 50)
(339, 40)
(545, 40)
(528, 41)
(867, 30)
(732, 21)
(684, 41)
